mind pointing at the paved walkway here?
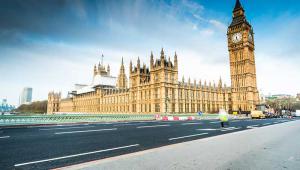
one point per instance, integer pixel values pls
(271, 147)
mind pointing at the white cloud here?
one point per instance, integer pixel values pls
(219, 25)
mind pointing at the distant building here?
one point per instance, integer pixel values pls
(26, 96)
(5, 107)
(278, 96)
(298, 97)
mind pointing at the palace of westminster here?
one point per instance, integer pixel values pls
(156, 89)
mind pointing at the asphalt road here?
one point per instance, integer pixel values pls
(49, 147)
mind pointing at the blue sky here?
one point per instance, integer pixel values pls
(51, 45)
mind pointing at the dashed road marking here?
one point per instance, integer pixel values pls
(133, 124)
(208, 129)
(2, 137)
(196, 123)
(266, 124)
(214, 122)
(151, 126)
(229, 129)
(67, 128)
(76, 155)
(181, 137)
(97, 130)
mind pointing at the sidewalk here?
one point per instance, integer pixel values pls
(271, 147)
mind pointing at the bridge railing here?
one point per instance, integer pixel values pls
(50, 119)
(76, 118)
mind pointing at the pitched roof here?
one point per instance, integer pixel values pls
(238, 5)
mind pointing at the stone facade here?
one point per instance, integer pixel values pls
(157, 89)
(53, 102)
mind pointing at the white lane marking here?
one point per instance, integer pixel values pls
(147, 121)
(266, 124)
(207, 129)
(151, 126)
(200, 134)
(130, 124)
(251, 127)
(97, 130)
(275, 122)
(214, 122)
(70, 125)
(255, 125)
(67, 128)
(196, 123)
(2, 137)
(229, 129)
(76, 155)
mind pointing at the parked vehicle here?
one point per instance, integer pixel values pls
(263, 111)
(257, 114)
(297, 113)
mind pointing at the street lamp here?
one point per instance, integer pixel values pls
(166, 103)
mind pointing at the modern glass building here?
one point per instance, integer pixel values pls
(26, 96)
(5, 107)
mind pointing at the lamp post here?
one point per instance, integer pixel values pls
(166, 103)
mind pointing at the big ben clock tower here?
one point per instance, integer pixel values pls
(242, 61)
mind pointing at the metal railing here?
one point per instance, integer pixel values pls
(52, 119)
(7, 120)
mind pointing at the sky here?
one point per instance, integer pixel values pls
(51, 45)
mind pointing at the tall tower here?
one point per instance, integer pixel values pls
(53, 102)
(242, 61)
(122, 78)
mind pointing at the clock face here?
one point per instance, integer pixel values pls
(237, 37)
(250, 37)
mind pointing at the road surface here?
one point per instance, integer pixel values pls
(49, 147)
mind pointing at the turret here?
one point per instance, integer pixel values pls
(95, 70)
(99, 68)
(108, 70)
(138, 64)
(130, 67)
(122, 69)
(162, 57)
(220, 83)
(122, 78)
(175, 61)
(151, 61)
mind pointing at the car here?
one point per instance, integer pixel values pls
(257, 114)
(262, 111)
